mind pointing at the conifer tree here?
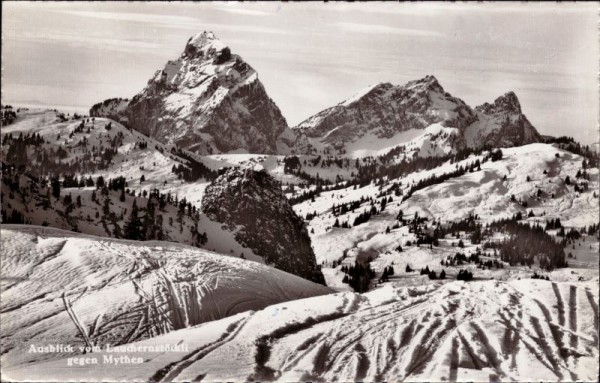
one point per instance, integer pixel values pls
(133, 228)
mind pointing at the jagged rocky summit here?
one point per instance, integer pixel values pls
(385, 110)
(388, 109)
(501, 124)
(209, 100)
(250, 203)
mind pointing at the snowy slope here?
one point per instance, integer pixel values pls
(122, 291)
(483, 192)
(520, 331)
(155, 162)
(486, 193)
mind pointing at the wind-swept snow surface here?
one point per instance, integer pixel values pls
(486, 330)
(63, 287)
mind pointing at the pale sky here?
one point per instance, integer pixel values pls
(310, 56)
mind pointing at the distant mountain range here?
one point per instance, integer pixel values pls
(210, 101)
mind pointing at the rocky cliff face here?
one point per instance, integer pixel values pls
(207, 101)
(250, 203)
(501, 124)
(385, 110)
(210, 101)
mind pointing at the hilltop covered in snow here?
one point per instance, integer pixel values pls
(87, 290)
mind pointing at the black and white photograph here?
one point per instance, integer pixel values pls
(299, 192)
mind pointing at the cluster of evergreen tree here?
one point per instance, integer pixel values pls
(343, 225)
(34, 139)
(320, 188)
(385, 275)
(496, 155)
(591, 229)
(571, 234)
(464, 275)
(490, 264)
(553, 224)
(365, 216)
(142, 223)
(378, 168)
(95, 109)
(8, 115)
(396, 170)
(430, 273)
(427, 239)
(15, 217)
(468, 224)
(438, 179)
(193, 170)
(346, 207)
(358, 276)
(460, 259)
(527, 243)
(16, 152)
(291, 164)
(49, 160)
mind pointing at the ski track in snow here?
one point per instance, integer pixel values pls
(484, 330)
(122, 291)
(503, 330)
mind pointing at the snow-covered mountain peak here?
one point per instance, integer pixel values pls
(202, 39)
(385, 110)
(508, 102)
(206, 45)
(206, 101)
(501, 123)
(428, 82)
(367, 91)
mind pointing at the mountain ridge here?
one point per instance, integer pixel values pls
(210, 101)
(388, 109)
(206, 101)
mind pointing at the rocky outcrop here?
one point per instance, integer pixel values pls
(387, 109)
(250, 203)
(211, 101)
(501, 124)
(207, 101)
